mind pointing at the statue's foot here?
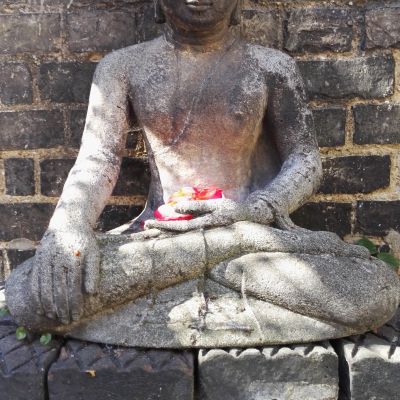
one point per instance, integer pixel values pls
(354, 292)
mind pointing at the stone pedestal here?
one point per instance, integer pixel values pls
(98, 372)
(369, 368)
(273, 372)
(23, 365)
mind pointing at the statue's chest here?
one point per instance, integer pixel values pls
(200, 95)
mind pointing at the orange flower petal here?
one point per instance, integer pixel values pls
(183, 194)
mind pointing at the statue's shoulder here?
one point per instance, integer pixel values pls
(131, 57)
(272, 61)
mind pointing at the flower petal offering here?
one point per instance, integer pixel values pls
(166, 212)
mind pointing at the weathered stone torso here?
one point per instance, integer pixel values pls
(202, 115)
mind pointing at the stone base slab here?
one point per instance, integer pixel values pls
(275, 372)
(99, 372)
(369, 368)
(24, 365)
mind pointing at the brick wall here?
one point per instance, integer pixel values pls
(348, 53)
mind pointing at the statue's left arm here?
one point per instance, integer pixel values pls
(290, 120)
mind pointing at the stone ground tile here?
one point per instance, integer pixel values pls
(369, 368)
(23, 365)
(87, 371)
(275, 372)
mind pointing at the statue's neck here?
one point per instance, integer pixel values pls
(218, 38)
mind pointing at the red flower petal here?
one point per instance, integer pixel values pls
(166, 212)
(210, 193)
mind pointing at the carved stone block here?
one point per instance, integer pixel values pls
(97, 372)
(273, 372)
(369, 369)
(23, 365)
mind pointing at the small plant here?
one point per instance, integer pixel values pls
(386, 257)
(44, 339)
(20, 332)
(4, 311)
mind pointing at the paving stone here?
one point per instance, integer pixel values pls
(355, 174)
(100, 30)
(134, 177)
(318, 30)
(25, 130)
(376, 218)
(66, 82)
(30, 32)
(376, 123)
(261, 27)
(330, 125)
(92, 371)
(23, 365)
(371, 77)
(19, 174)
(24, 220)
(274, 372)
(147, 28)
(17, 257)
(15, 83)
(114, 216)
(324, 216)
(391, 331)
(53, 174)
(368, 368)
(382, 27)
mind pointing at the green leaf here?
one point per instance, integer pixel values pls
(21, 334)
(368, 244)
(389, 260)
(44, 339)
(4, 311)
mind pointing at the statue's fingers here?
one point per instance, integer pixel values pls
(35, 289)
(46, 289)
(195, 207)
(74, 280)
(181, 226)
(91, 270)
(61, 292)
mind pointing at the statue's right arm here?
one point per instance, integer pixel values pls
(67, 258)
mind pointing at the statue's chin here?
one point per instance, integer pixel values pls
(197, 19)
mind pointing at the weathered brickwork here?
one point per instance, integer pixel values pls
(347, 51)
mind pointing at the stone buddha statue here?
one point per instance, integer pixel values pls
(216, 111)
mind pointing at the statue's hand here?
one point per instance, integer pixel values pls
(64, 258)
(213, 213)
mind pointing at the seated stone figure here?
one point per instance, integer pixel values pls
(215, 111)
